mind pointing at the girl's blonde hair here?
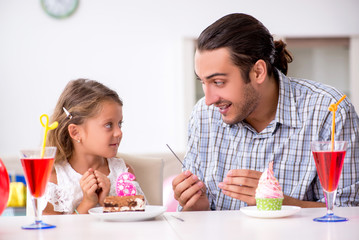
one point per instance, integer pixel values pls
(83, 99)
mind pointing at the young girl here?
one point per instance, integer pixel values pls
(87, 138)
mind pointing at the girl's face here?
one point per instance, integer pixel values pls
(101, 135)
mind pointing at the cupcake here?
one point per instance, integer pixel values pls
(269, 195)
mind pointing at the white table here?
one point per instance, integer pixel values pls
(86, 227)
(220, 225)
(235, 225)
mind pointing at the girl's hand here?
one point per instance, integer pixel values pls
(104, 185)
(88, 183)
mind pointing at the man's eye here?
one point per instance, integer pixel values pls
(218, 83)
(198, 79)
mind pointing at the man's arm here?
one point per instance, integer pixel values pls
(304, 204)
(242, 184)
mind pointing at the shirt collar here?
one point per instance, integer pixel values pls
(287, 113)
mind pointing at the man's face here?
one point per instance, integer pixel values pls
(224, 86)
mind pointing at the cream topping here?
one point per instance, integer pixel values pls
(268, 185)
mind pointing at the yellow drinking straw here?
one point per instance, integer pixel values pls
(333, 108)
(47, 128)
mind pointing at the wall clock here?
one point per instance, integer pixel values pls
(59, 8)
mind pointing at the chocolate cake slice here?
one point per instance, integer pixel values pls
(124, 203)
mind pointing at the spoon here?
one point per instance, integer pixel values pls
(179, 160)
(175, 155)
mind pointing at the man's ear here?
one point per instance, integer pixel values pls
(74, 131)
(259, 71)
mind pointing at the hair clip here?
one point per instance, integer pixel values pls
(68, 114)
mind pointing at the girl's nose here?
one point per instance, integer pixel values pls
(118, 132)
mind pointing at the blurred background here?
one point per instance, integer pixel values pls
(144, 50)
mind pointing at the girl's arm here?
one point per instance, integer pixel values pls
(130, 169)
(49, 209)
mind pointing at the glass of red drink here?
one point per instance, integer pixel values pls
(329, 159)
(37, 165)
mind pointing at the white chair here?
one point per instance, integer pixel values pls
(170, 170)
(149, 174)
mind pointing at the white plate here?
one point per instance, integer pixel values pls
(149, 213)
(285, 212)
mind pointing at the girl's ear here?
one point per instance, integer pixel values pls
(74, 131)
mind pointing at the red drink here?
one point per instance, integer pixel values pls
(329, 167)
(37, 173)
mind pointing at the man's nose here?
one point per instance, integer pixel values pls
(210, 95)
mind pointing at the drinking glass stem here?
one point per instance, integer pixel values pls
(330, 199)
(37, 210)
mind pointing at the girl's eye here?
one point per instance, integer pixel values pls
(120, 124)
(108, 125)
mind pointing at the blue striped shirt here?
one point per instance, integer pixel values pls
(302, 116)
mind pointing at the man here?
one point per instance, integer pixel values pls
(253, 114)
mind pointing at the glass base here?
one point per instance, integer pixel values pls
(330, 218)
(38, 225)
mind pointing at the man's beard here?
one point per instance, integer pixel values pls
(241, 110)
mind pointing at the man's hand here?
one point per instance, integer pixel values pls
(190, 192)
(241, 184)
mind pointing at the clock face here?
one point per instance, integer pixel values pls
(59, 8)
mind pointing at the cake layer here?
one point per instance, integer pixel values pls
(124, 203)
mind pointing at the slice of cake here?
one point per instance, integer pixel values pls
(124, 203)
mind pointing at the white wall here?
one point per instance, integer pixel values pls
(134, 47)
